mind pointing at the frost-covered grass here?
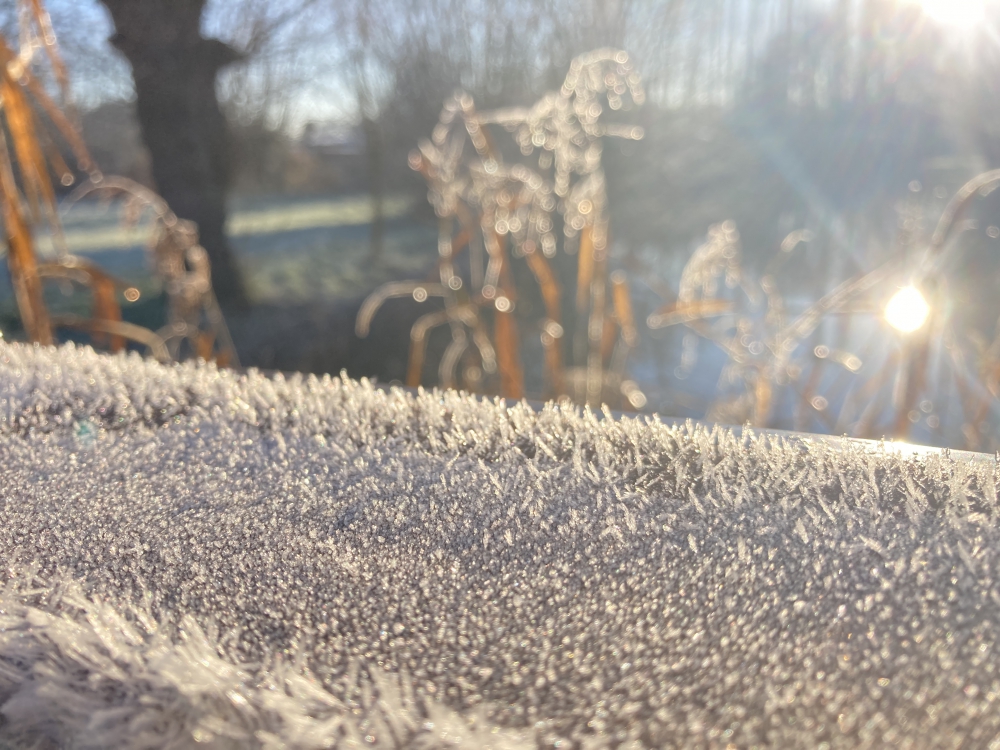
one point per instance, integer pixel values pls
(200, 555)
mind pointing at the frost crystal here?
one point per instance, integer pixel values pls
(197, 555)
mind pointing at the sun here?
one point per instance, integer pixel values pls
(907, 310)
(961, 13)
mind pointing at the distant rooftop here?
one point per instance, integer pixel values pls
(333, 138)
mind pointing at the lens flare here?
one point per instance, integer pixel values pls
(907, 310)
(961, 13)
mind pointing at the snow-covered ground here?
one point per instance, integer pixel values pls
(195, 555)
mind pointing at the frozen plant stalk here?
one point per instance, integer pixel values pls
(499, 212)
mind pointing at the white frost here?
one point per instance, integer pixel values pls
(237, 560)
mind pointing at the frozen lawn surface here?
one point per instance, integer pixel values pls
(195, 555)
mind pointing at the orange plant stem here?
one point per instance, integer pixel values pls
(508, 361)
(505, 334)
(106, 308)
(21, 258)
(551, 295)
(584, 268)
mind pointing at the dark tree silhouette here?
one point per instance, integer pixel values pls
(174, 68)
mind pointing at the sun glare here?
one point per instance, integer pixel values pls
(961, 13)
(907, 310)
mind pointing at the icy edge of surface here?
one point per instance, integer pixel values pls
(71, 387)
(891, 447)
(803, 439)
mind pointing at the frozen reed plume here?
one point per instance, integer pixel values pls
(523, 212)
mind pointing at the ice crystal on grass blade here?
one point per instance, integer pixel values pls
(242, 560)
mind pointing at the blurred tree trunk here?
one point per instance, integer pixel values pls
(790, 74)
(841, 50)
(868, 79)
(374, 143)
(694, 58)
(376, 185)
(174, 69)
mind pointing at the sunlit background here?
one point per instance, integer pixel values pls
(827, 137)
(961, 13)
